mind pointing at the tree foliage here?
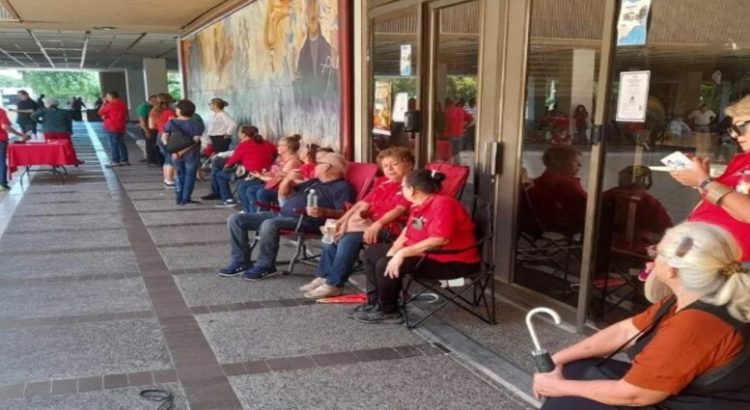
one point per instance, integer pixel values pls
(63, 84)
(8, 81)
(174, 85)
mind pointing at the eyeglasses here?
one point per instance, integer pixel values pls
(390, 164)
(739, 128)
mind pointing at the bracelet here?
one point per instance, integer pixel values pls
(702, 185)
(717, 192)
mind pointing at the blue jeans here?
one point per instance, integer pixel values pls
(267, 196)
(117, 147)
(3, 163)
(187, 169)
(220, 180)
(163, 149)
(268, 225)
(337, 259)
(247, 194)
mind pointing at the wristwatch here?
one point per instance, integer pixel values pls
(704, 183)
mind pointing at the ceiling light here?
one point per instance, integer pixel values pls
(104, 28)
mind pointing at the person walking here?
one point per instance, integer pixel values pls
(186, 161)
(221, 126)
(115, 115)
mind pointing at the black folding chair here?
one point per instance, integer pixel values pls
(467, 292)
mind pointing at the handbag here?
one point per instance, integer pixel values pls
(178, 140)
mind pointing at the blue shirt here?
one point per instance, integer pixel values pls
(190, 128)
(331, 195)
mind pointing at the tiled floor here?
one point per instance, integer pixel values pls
(107, 288)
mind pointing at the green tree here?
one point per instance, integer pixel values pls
(174, 84)
(8, 81)
(63, 84)
(461, 87)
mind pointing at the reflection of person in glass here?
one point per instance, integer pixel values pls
(725, 201)
(314, 64)
(557, 196)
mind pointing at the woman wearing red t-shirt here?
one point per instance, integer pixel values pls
(368, 221)
(725, 199)
(435, 221)
(267, 192)
(159, 116)
(688, 351)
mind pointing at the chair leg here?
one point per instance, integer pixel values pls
(297, 252)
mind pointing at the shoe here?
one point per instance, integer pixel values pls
(210, 196)
(377, 316)
(229, 203)
(125, 163)
(360, 308)
(191, 202)
(112, 165)
(258, 273)
(233, 269)
(168, 184)
(323, 291)
(313, 284)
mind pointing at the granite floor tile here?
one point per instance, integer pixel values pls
(82, 349)
(81, 187)
(87, 208)
(67, 223)
(256, 334)
(67, 264)
(188, 234)
(186, 216)
(210, 289)
(72, 240)
(30, 199)
(74, 299)
(414, 383)
(186, 257)
(122, 398)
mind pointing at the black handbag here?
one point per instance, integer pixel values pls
(178, 140)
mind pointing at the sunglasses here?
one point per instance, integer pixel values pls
(739, 128)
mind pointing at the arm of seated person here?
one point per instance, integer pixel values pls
(372, 232)
(610, 392)
(393, 268)
(320, 212)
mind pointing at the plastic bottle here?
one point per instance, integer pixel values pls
(312, 199)
(743, 185)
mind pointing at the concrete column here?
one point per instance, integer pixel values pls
(114, 81)
(582, 81)
(136, 91)
(155, 75)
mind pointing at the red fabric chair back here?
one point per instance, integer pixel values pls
(455, 177)
(360, 176)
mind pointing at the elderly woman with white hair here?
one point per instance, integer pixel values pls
(688, 351)
(57, 124)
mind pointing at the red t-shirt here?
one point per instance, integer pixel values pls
(687, 344)
(443, 216)
(307, 170)
(713, 214)
(4, 120)
(383, 198)
(455, 120)
(254, 156)
(115, 115)
(166, 115)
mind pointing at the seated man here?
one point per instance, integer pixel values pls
(333, 193)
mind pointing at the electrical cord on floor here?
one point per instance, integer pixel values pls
(160, 396)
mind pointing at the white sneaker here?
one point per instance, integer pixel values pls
(314, 284)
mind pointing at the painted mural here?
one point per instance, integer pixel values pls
(276, 63)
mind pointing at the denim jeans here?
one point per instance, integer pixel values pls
(247, 194)
(3, 163)
(117, 147)
(267, 196)
(187, 169)
(163, 149)
(220, 180)
(268, 226)
(337, 259)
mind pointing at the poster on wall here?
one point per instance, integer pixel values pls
(400, 106)
(276, 63)
(381, 116)
(632, 24)
(632, 96)
(405, 62)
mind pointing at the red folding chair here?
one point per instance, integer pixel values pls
(455, 177)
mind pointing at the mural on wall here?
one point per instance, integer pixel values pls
(276, 63)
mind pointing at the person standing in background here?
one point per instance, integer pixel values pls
(160, 114)
(40, 102)
(5, 128)
(221, 127)
(115, 114)
(143, 110)
(56, 124)
(25, 107)
(701, 120)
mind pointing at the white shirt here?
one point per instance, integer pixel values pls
(221, 124)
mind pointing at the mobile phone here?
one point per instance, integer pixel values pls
(677, 161)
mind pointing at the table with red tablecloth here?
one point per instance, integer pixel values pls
(54, 153)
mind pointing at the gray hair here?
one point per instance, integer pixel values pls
(706, 258)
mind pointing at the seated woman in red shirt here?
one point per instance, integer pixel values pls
(253, 152)
(367, 222)
(725, 199)
(250, 192)
(436, 221)
(688, 351)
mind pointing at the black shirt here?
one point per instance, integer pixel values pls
(25, 117)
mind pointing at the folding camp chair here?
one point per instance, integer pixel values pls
(455, 177)
(360, 176)
(467, 292)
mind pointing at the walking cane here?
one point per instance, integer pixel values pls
(542, 359)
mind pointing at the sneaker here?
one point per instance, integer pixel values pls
(378, 316)
(112, 165)
(233, 269)
(229, 203)
(360, 308)
(124, 163)
(323, 291)
(314, 284)
(210, 196)
(191, 202)
(168, 184)
(258, 273)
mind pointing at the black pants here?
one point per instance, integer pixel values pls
(386, 290)
(153, 155)
(220, 143)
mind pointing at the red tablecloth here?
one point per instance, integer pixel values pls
(54, 152)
